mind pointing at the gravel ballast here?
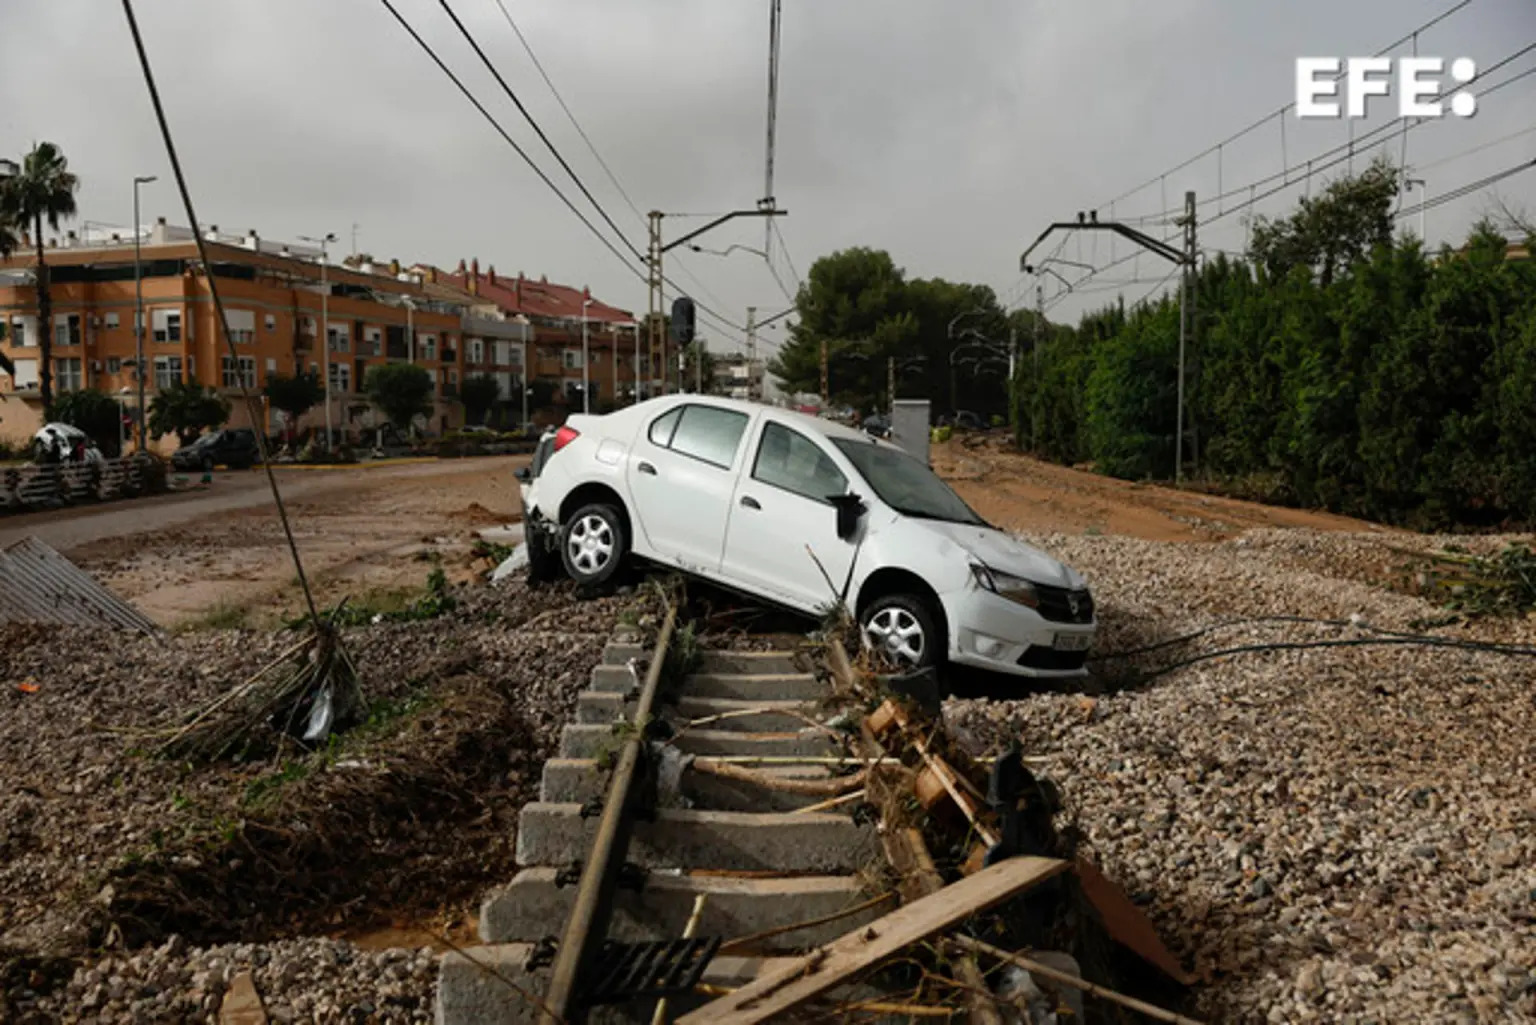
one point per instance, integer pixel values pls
(1333, 835)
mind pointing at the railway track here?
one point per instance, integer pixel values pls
(621, 845)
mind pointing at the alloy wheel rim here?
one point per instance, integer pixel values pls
(590, 544)
(896, 633)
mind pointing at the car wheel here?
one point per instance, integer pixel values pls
(592, 544)
(902, 629)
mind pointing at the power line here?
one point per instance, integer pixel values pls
(1281, 112)
(534, 124)
(592, 147)
(1467, 189)
(1478, 149)
(427, 48)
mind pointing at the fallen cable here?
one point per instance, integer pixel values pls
(742, 941)
(1354, 642)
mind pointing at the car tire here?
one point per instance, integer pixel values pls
(592, 544)
(903, 629)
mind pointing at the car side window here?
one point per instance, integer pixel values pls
(788, 459)
(709, 434)
(663, 426)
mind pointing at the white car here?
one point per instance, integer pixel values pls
(799, 511)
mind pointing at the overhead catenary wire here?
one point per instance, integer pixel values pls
(218, 306)
(1155, 179)
(608, 171)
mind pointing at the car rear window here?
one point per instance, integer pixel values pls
(709, 434)
(663, 426)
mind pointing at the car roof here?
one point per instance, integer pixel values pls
(791, 417)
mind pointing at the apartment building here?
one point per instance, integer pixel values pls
(273, 294)
(557, 315)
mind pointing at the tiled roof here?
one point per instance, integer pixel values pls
(534, 298)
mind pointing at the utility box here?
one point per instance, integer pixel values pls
(909, 426)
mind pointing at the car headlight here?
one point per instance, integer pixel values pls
(1006, 585)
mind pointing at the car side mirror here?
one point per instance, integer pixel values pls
(524, 474)
(849, 509)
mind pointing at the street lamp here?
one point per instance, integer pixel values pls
(586, 390)
(138, 305)
(325, 326)
(1423, 204)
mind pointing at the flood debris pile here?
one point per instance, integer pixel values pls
(992, 913)
(403, 816)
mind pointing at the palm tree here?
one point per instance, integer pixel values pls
(43, 190)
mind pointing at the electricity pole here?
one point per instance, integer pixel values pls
(325, 327)
(655, 278)
(824, 399)
(656, 336)
(138, 308)
(1186, 318)
(751, 351)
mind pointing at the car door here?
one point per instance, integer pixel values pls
(682, 473)
(780, 516)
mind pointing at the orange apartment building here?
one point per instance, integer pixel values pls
(455, 325)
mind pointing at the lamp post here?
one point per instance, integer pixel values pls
(523, 384)
(586, 359)
(138, 307)
(325, 326)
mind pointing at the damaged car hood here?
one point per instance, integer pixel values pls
(999, 551)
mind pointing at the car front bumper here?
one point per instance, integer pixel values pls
(990, 632)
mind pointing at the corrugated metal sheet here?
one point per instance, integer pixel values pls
(38, 585)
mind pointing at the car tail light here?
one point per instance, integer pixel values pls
(564, 436)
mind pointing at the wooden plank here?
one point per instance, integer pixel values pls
(856, 952)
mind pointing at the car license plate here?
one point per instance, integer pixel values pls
(1073, 642)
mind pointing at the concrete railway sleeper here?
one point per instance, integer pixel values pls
(734, 841)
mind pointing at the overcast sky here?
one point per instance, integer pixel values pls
(949, 133)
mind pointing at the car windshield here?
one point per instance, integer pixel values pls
(206, 440)
(904, 483)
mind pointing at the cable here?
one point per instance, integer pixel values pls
(799, 281)
(1159, 286)
(218, 305)
(592, 148)
(1467, 189)
(1478, 149)
(607, 170)
(1355, 642)
(1281, 112)
(489, 66)
(510, 141)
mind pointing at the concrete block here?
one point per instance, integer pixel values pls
(474, 990)
(614, 678)
(578, 780)
(616, 654)
(727, 713)
(592, 740)
(525, 910)
(556, 835)
(753, 662)
(756, 686)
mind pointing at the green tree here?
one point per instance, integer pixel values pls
(401, 391)
(1332, 230)
(294, 396)
(42, 191)
(186, 409)
(699, 365)
(96, 413)
(478, 393)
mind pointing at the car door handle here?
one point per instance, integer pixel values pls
(645, 467)
(750, 502)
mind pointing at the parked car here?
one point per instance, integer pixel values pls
(798, 511)
(56, 443)
(235, 448)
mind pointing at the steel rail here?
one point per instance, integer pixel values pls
(587, 927)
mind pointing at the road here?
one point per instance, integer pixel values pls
(232, 492)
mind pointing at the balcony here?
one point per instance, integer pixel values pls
(303, 343)
(450, 356)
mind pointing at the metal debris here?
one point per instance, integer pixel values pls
(38, 585)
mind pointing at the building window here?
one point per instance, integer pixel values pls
(20, 336)
(66, 329)
(271, 322)
(166, 325)
(167, 371)
(114, 365)
(66, 374)
(337, 339)
(476, 351)
(271, 365)
(111, 320)
(573, 359)
(246, 370)
(373, 342)
(341, 378)
(427, 350)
